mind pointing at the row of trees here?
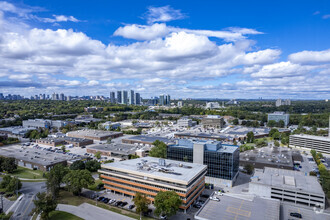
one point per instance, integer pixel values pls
(10, 184)
(7, 164)
(324, 173)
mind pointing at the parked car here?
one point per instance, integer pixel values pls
(123, 204)
(197, 206)
(163, 217)
(205, 196)
(218, 193)
(215, 198)
(131, 206)
(100, 198)
(296, 214)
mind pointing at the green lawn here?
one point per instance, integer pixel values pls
(56, 215)
(94, 186)
(26, 173)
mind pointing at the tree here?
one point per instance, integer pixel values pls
(167, 203)
(9, 165)
(5, 181)
(14, 184)
(235, 121)
(77, 179)
(98, 155)
(133, 156)
(271, 123)
(235, 142)
(272, 131)
(63, 148)
(276, 135)
(109, 140)
(249, 169)
(250, 137)
(77, 165)
(141, 202)
(277, 144)
(44, 204)
(55, 179)
(281, 124)
(159, 149)
(92, 165)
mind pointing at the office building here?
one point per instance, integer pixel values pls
(215, 121)
(279, 116)
(151, 175)
(161, 100)
(167, 99)
(164, 99)
(119, 97)
(62, 97)
(180, 104)
(146, 140)
(110, 125)
(37, 123)
(186, 122)
(222, 160)
(280, 102)
(114, 150)
(137, 99)
(76, 142)
(124, 97)
(1, 96)
(112, 97)
(212, 105)
(288, 186)
(318, 143)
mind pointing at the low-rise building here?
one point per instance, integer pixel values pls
(318, 143)
(76, 142)
(116, 151)
(15, 130)
(42, 123)
(93, 109)
(86, 119)
(287, 186)
(200, 135)
(110, 125)
(186, 122)
(222, 160)
(212, 105)
(97, 135)
(146, 140)
(151, 175)
(215, 121)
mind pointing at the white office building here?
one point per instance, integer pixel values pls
(318, 143)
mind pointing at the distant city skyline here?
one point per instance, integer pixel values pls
(219, 49)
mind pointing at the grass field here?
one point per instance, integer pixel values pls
(94, 186)
(56, 215)
(26, 173)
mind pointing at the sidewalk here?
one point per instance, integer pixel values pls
(91, 212)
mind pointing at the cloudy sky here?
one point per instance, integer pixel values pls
(189, 49)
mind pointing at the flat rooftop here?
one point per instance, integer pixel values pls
(269, 155)
(173, 171)
(202, 135)
(150, 139)
(313, 137)
(116, 148)
(235, 207)
(287, 179)
(60, 139)
(33, 155)
(93, 133)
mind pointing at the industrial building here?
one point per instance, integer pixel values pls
(202, 136)
(142, 139)
(318, 143)
(222, 160)
(287, 186)
(42, 123)
(97, 135)
(151, 175)
(279, 116)
(110, 125)
(186, 122)
(34, 158)
(76, 142)
(118, 151)
(15, 130)
(215, 121)
(86, 119)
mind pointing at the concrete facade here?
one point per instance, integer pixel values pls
(318, 143)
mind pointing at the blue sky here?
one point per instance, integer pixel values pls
(197, 49)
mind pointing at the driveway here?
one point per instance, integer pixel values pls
(91, 212)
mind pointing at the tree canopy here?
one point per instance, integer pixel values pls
(44, 204)
(167, 203)
(159, 150)
(77, 179)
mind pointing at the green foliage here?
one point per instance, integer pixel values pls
(167, 203)
(9, 140)
(55, 179)
(277, 144)
(77, 179)
(77, 165)
(245, 147)
(63, 148)
(13, 185)
(5, 181)
(272, 131)
(235, 121)
(44, 205)
(98, 155)
(141, 202)
(131, 132)
(249, 169)
(8, 164)
(250, 137)
(37, 134)
(92, 165)
(133, 156)
(159, 150)
(276, 135)
(261, 143)
(271, 123)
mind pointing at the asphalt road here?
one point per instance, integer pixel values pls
(24, 207)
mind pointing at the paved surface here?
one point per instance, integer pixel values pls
(25, 206)
(306, 213)
(6, 204)
(237, 208)
(90, 212)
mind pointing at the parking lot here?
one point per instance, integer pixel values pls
(286, 209)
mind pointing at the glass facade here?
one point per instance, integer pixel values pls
(222, 165)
